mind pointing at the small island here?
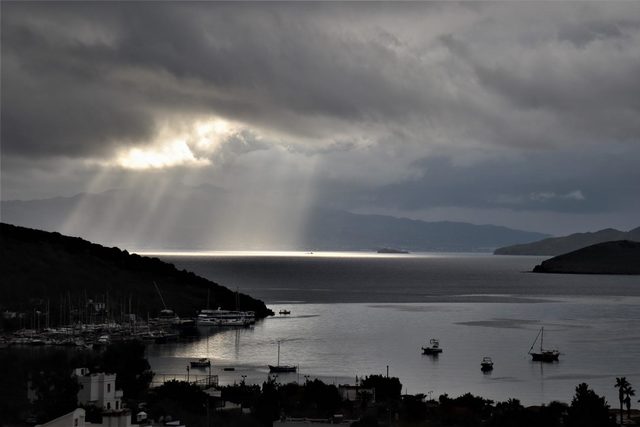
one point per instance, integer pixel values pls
(618, 257)
(392, 251)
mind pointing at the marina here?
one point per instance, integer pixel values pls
(337, 341)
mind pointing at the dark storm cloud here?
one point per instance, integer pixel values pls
(537, 182)
(77, 75)
(65, 93)
(530, 106)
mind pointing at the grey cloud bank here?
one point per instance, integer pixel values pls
(528, 109)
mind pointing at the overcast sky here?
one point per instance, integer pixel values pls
(522, 114)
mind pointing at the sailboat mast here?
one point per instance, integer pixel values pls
(541, 338)
(160, 294)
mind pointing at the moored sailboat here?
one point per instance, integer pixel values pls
(282, 368)
(543, 355)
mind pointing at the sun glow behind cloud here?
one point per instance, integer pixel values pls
(210, 182)
(178, 144)
(173, 153)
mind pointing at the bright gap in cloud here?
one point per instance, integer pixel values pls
(179, 144)
(174, 153)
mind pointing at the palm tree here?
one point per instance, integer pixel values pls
(627, 401)
(621, 385)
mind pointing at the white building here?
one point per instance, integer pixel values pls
(356, 393)
(98, 389)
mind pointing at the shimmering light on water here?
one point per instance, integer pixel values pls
(361, 314)
(296, 254)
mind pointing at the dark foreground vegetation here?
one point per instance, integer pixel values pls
(53, 275)
(48, 373)
(376, 402)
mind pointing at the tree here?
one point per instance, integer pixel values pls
(386, 388)
(56, 393)
(627, 401)
(324, 397)
(179, 399)
(267, 406)
(588, 409)
(509, 413)
(126, 359)
(621, 385)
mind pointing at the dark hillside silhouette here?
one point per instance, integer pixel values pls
(40, 269)
(562, 245)
(622, 257)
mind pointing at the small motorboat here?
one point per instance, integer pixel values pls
(284, 312)
(486, 365)
(434, 349)
(203, 362)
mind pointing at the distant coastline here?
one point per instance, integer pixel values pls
(562, 245)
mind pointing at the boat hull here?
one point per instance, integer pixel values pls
(200, 363)
(431, 351)
(545, 357)
(282, 368)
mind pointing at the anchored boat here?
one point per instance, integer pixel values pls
(543, 355)
(486, 365)
(282, 368)
(434, 349)
(200, 363)
(221, 318)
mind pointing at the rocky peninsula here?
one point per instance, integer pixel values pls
(618, 257)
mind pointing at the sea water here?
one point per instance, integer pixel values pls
(357, 314)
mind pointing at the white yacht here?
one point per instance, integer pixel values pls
(221, 318)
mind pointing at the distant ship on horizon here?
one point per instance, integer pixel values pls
(392, 251)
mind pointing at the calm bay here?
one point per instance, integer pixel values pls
(354, 314)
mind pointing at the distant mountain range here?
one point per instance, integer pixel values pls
(561, 245)
(43, 270)
(207, 218)
(620, 257)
